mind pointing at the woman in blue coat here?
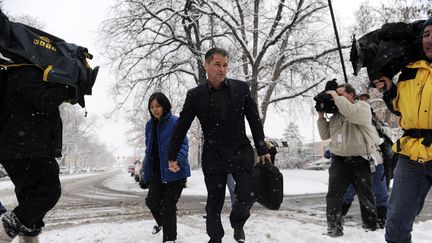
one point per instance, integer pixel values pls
(166, 180)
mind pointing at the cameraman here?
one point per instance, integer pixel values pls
(411, 100)
(379, 177)
(352, 140)
(30, 140)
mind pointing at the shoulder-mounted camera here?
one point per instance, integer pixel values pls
(387, 50)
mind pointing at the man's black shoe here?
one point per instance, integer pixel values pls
(156, 229)
(369, 227)
(215, 241)
(334, 232)
(239, 235)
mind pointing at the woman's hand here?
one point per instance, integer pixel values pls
(173, 166)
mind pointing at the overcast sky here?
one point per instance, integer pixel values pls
(78, 22)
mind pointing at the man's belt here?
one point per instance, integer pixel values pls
(418, 133)
(346, 158)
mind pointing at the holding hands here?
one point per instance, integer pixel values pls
(173, 166)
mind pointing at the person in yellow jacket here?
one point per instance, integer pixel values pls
(411, 98)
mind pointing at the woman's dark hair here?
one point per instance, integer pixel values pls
(162, 100)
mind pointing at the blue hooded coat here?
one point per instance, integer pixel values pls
(165, 130)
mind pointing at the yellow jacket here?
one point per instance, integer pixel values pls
(414, 103)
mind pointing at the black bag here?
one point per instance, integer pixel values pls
(268, 186)
(389, 159)
(142, 182)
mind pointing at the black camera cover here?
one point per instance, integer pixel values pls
(63, 62)
(386, 50)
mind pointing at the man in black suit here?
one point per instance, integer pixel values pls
(221, 105)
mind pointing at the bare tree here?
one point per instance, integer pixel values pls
(136, 133)
(274, 53)
(81, 147)
(159, 45)
(402, 10)
(372, 16)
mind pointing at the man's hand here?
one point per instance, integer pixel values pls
(265, 159)
(173, 166)
(383, 84)
(332, 93)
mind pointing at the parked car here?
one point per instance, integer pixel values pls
(64, 169)
(131, 169)
(137, 170)
(320, 164)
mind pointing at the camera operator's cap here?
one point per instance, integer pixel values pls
(363, 94)
(427, 22)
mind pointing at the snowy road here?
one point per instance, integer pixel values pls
(109, 207)
(85, 199)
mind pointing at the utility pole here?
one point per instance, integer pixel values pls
(338, 42)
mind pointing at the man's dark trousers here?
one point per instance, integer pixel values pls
(37, 188)
(244, 191)
(342, 172)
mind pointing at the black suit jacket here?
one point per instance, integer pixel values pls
(226, 147)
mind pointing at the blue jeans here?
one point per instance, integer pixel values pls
(411, 185)
(379, 188)
(2, 209)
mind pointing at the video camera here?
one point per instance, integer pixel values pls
(387, 50)
(63, 63)
(324, 101)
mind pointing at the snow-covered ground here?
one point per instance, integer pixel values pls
(296, 182)
(262, 227)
